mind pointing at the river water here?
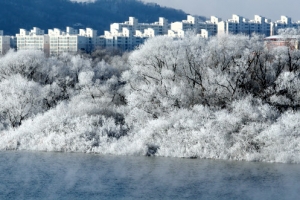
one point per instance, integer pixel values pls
(40, 175)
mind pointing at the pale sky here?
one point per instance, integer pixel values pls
(271, 9)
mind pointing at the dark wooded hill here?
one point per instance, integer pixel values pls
(45, 14)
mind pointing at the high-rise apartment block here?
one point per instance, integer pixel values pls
(56, 41)
(71, 41)
(161, 27)
(129, 34)
(211, 26)
(34, 39)
(204, 29)
(190, 24)
(238, 24)
(284, 22)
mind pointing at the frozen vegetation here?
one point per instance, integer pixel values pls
(224, 98)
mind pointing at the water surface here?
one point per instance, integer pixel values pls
(39, 175)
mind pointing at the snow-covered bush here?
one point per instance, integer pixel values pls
(228, 97)
(20, 99)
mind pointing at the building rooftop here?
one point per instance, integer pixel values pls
(281, 37)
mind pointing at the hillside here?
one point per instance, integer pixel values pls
(47, 14)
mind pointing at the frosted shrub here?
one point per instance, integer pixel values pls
(69, 127)
(224, 98)
(281, 140)
(201, 132)
(288, 89)
(20, 99)
(30, 64)
(253, 109)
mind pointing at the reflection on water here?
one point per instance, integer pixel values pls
(26, 175)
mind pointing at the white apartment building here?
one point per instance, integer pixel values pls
(260, 25)
(228, 26)
(68, 41)
(133, 25)
(35, 39)
(191, 23)
(125, 40)
(4, 43)
(239, 24)
(211, 26)
(140, 37)
(128, 35)
(114, 39)
(235, 25)
(284, 22)
(91, 36)
(71, 41)
(206, 29)
(57, 41)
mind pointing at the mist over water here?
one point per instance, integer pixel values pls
(27, 175)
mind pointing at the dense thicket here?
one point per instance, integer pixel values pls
(226, 98)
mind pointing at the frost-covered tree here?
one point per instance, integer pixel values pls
(20, 99)
(165, 75)
(28, 63)
(227, 97)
